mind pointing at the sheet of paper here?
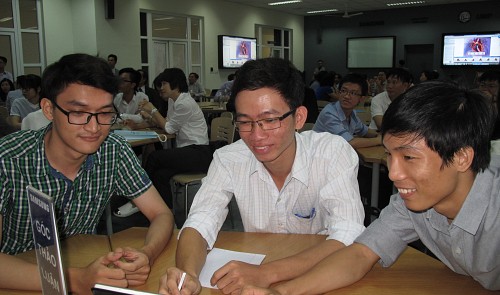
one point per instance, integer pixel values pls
(218, 257)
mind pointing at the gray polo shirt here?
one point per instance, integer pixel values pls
(469, 246)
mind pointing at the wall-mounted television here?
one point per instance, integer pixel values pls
(370, 52)
(471, 49)
(234, 51)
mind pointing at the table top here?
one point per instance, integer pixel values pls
(373, 154)
(413, 273)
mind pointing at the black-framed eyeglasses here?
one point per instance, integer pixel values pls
(264, 124)
(351, 93)
(83, 118)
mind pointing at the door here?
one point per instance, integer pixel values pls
(169, 54)
(8, 49)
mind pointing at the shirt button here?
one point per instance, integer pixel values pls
(458, 251)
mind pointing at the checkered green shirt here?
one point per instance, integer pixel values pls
(113, 170)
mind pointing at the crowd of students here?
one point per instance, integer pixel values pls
(437, 139)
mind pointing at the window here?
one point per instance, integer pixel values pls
(20, 36)
(274, 42)
(171, 41)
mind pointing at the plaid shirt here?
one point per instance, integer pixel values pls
(113, 169)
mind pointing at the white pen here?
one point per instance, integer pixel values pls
(181, 282)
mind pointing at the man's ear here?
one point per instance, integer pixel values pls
(47, 108)
(463, 159)
(300, 117)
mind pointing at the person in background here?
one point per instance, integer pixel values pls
(427, 75)
(339, 118)
(22, 106)
(195, 89)
(15, 93)
(398, 81)
(6, 86)
(112, 60)
(437, 139)
(78, 162)
(283, 182)
(184, 119)
(3, 72)
(225, 88)
(152, 94)
(320, 67)
(489, 85)
(34, 121)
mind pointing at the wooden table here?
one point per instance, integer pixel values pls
(374, 155)
(414, 272)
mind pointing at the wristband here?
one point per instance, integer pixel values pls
(153, 111)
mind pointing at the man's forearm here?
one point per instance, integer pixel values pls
(18, 274)
(158, 235)
(191, 252)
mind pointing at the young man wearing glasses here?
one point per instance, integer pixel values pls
(283, 182)
(340, 118)
(81, 165)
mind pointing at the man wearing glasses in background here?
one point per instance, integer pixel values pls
(81, 165)
(283, 182)
(340, 118)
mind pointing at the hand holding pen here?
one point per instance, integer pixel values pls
(176, 282)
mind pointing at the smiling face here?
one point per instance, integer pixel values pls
(422, 180)
(78, 140)
(274, 148)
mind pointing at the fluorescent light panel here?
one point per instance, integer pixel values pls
(321, 11)
(405, 3)
(284, 2)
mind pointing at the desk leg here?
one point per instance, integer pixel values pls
(375, 184)
(109, 223)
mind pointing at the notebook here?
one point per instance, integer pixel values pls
(46, 239)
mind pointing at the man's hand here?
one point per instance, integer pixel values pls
(135, 264)
(169, 283)
(235, 274)
(252, 290)
(99, 271)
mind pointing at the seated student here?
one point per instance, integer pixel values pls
(6, 86)
(225, 88)
(427, 75)
(449, 193)
(16, 93)
(184, 119)
(152, 94)
(127, 101)
(340, 118)
(194, 87)
(489, 85)
(283, 182)
(79, 163)
(28, 103)
(398, 81)
(34, 121)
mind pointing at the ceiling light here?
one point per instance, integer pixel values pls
(321, 11)
(284, 2)
(405, 3)
(165, 18)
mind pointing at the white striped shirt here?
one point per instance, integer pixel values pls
(320, 195)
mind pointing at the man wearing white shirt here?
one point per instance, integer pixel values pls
(127, 101)
(283, 182)
(3, 72)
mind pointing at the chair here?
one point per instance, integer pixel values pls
(222, 128)
(227, 114)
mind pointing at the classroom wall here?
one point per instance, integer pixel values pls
(81, 26)
(401, 23)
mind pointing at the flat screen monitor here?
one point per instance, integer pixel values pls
(370, 52)
(234, 51)
(471, 49)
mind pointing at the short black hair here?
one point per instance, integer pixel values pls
(231, 77)
(78, 68)
(490, 75)
(32, 81)
(194, 74)
(355, 79)
(446, 117)
(144, 75)
(3, 58)
(430, 75)
(113, 56)
(135, 76)
(278, 74)
(401, 74)
(175, 77)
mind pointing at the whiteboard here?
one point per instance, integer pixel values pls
(371, 52)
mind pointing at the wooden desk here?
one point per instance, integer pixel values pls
(374, 155)
(414, 272)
